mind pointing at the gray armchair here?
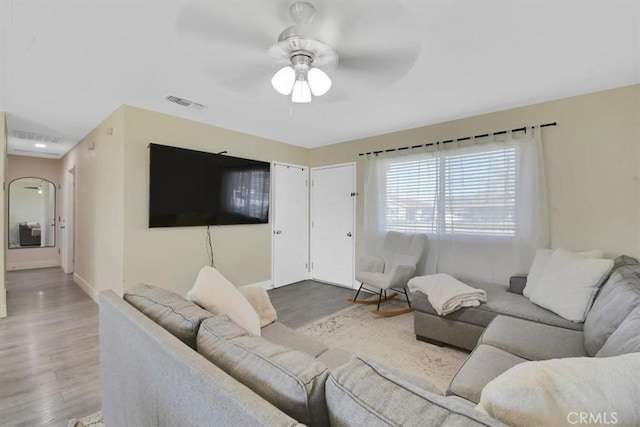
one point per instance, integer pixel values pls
(400, 255)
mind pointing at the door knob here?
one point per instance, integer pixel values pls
(349, 234)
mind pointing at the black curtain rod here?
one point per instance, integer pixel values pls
(466, 138)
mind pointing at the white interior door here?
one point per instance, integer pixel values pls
(332, 224)
(290, 224)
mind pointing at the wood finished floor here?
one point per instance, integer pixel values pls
(306, 301)
(49, 369)
(49, 363)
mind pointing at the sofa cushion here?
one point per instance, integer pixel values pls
(499, 301)
(618, 297)
(291, 380)
(483, 365)
(334, 358)
(280, 334)
(625, 339)
(533, 341)
(556, 392)
(569, 284)
(177, 315)
(363, 394)
(624, 260)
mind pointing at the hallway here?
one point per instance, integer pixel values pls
(49, 366)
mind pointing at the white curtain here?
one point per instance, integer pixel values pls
(481, 202)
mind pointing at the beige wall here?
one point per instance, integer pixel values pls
(3, 227)
(172, 257)
(49, 169)
(99, 197)
(592, 163)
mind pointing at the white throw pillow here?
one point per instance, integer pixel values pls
(569, 283)
(213, 292)
(539, 263)
(559, 391)
(261, 303)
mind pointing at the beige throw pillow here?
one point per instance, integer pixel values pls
(562, 392)
(261, 303)
(213, 292)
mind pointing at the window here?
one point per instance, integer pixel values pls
(247, 193)
(455, 194)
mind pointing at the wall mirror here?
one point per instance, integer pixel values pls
(32, 213)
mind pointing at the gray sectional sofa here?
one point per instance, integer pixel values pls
(509, 329)
(165, 362)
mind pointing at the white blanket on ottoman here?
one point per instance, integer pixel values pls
(447, 294)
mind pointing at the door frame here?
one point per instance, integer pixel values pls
(273, 214)
(68, 205)
(353, 241)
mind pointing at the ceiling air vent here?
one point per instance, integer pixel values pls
(35, 137)
(184, 102)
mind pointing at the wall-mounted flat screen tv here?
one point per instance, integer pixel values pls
(194, 188)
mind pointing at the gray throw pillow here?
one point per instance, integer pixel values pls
(180, 317)
(291, 380)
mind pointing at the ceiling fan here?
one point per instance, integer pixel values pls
(341, 48)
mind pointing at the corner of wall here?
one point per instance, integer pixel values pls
(99, 188)
(3, 225)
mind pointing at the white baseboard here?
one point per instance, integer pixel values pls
(32, 264)
(85, 286)
(3, 311)
(267, 284)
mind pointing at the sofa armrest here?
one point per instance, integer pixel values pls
(177, 386)
(517, 283)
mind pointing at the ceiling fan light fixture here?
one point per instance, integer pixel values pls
(283, 80)
(301, 92)
(319, 81)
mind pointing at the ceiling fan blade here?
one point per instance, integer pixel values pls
(368, 72)
(250, 75)
(388, 64)
(352, 24)
(240, 23)
(377, 44)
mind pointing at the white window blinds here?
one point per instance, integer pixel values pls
(454, 194)
(411, 196)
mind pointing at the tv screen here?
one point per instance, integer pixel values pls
(191, 188)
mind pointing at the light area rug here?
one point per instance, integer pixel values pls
(387, 340)
(93, 420)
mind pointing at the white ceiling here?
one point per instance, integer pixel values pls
(67, 65)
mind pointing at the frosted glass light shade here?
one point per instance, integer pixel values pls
(301, 92)
(319, 81)
(283, 80)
